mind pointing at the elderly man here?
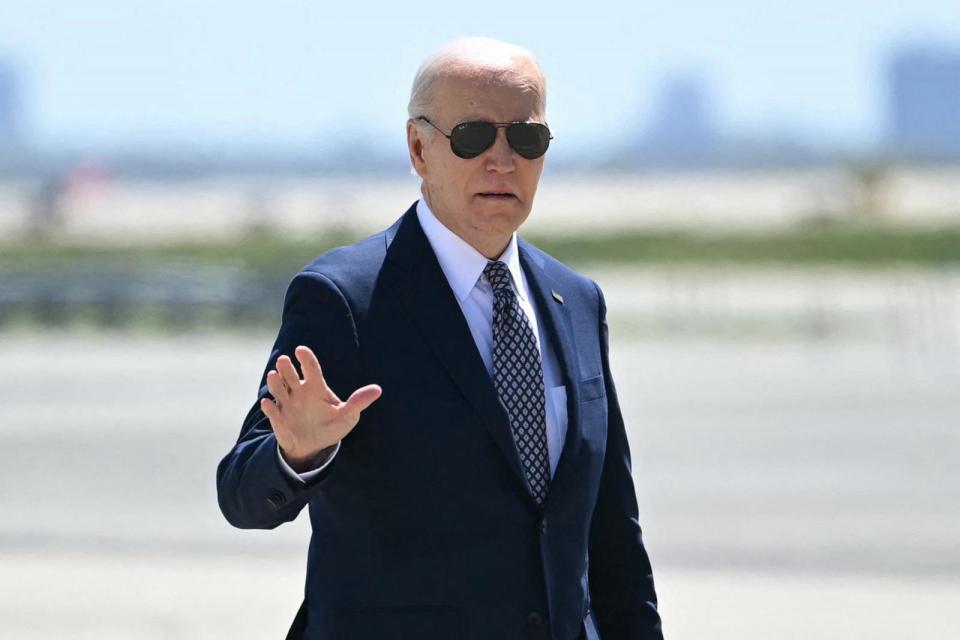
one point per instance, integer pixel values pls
(475, 484)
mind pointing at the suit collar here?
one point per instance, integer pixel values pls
(461, 263)
(425, 293)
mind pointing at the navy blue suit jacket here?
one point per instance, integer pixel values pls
(423, 526)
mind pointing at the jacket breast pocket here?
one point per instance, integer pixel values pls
(592, 389)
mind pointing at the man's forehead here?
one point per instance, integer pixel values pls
(470, 84)
(501, 101)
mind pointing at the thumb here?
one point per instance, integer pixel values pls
(363, 398)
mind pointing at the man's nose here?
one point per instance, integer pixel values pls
(499, 157)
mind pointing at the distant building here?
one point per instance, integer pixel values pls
(684, 133)
(9, 107)
(925, 103)
(682, 127)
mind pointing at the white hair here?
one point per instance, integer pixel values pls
(476, 56)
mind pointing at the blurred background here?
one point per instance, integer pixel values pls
(769, 194)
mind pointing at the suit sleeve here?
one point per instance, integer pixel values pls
(253, 490)
(622, 593)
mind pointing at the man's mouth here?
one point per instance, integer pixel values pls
(497, 195)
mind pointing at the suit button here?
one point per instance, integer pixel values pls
(277, 499)
(543, 527)
(534, 619)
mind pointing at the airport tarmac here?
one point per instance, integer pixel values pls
(790, 487)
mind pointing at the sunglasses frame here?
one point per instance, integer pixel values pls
(496, 125)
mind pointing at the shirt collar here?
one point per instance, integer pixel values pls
(462, 264)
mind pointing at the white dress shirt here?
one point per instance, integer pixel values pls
(463, 267)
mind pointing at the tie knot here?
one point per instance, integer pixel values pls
(498, 275)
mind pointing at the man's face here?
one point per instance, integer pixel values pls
(486, 198)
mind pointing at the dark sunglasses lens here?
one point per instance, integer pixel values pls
(470, 139)
(529, 139)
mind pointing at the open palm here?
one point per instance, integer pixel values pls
(306, 415)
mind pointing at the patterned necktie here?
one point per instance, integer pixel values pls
(518, 377)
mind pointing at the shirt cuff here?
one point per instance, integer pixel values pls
(320, 463)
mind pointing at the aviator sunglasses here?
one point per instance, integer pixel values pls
(470, 139)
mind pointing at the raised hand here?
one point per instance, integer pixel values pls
(306, 415)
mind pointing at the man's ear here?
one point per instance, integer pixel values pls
(415, 142)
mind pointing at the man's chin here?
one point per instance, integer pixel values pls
(500, 219)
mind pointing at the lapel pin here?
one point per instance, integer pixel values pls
(557, 296)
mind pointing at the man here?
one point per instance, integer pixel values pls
(476, 482)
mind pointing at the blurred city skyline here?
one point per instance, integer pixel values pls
(664, 84)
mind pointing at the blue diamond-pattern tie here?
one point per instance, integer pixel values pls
(518, 377)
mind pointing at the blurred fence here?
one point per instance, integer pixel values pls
(169, 298)
(918, 308)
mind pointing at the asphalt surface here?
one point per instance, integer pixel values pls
(793, 486)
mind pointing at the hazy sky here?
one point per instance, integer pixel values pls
(119, 73)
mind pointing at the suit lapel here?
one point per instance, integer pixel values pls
(425, 293)
(549, 295)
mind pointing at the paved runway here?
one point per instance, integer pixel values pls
(789, 488)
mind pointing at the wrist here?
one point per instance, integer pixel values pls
(306, 462)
